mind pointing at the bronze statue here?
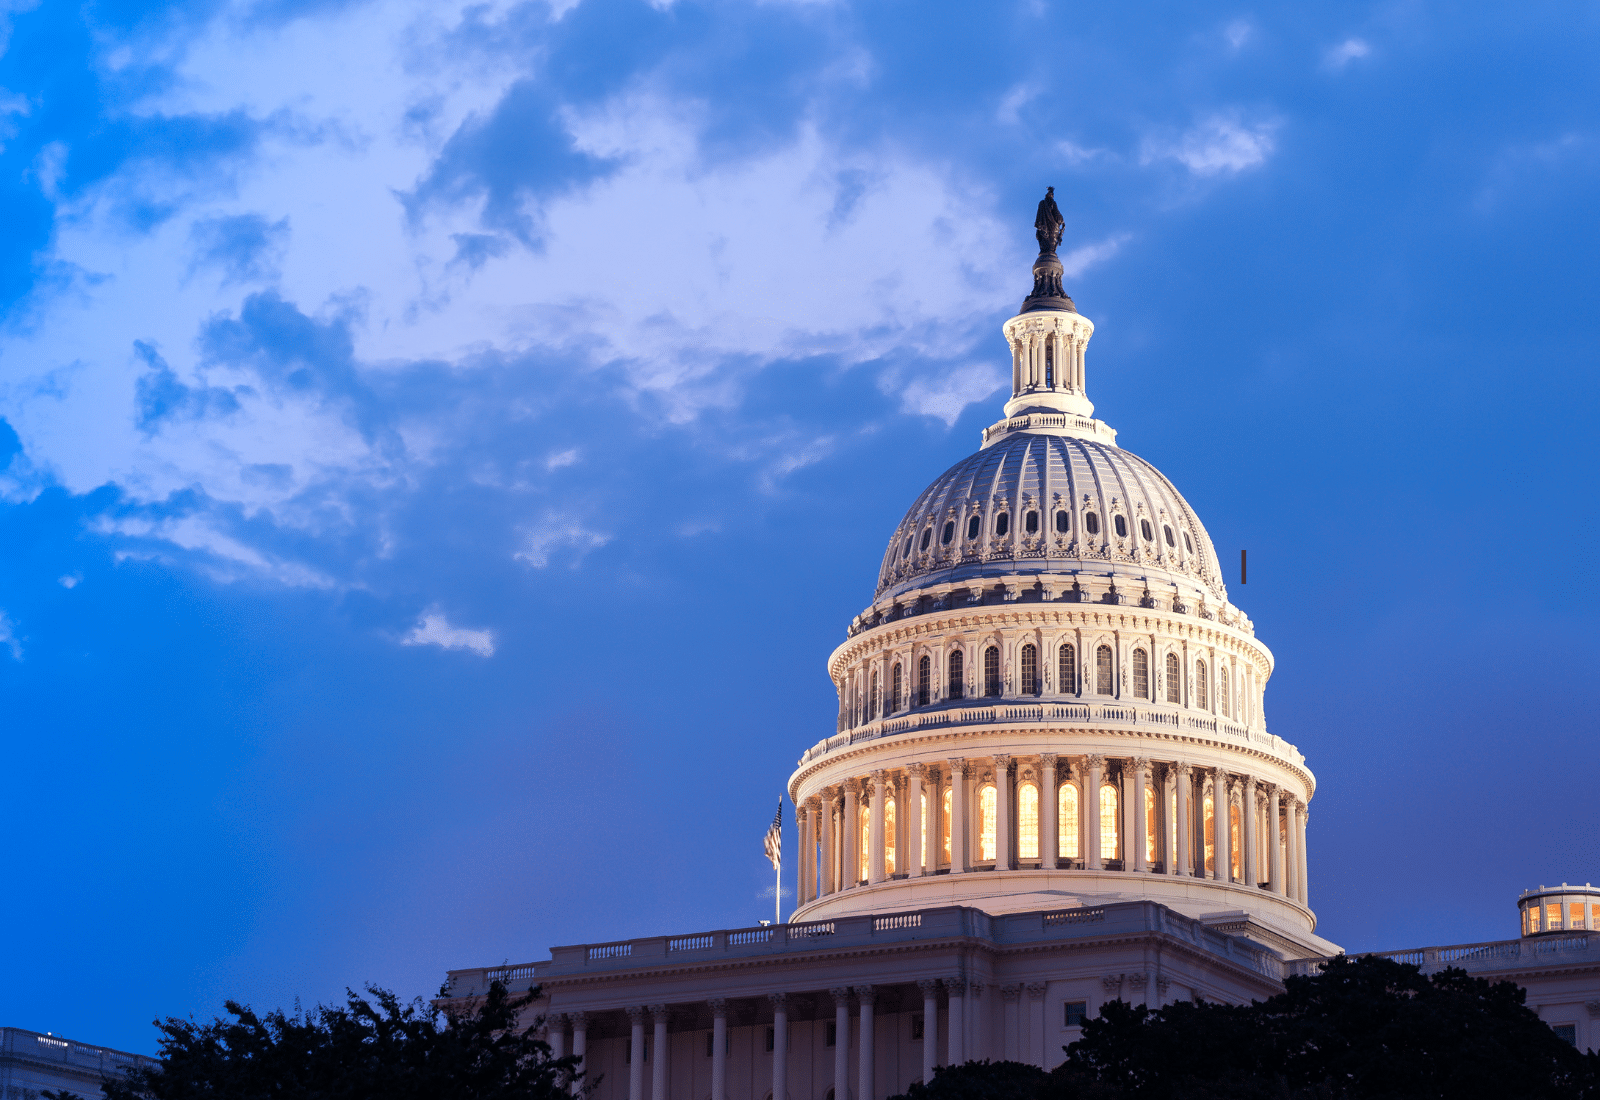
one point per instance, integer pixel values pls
(1049, 223)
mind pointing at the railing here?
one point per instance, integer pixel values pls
(755, 935)
(1074, 916)
(1565, 943)
(690, 943)
(807, 931)
(1488, 951)
(1411, 958)
(611, 951)
(509, 973)
(897, 920)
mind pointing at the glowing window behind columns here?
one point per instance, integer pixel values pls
(1068, 832)
(986, 818)
(1108, 821)
(944, 821)
(865, 831)
(1552, 916)
(888, 838)
(1235, 852)
(1151, 831)
(1028, 822)
(922, 841)
(1575, 911)
(1210, 833)
(1172, 826)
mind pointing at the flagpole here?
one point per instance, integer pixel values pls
(777, 894)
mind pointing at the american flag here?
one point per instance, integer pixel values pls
(774, 840)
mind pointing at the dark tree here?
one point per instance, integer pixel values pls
(362, 1049)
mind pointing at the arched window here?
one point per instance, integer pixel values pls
(1174, 680)
(1027, 821)
(1118, 522)
(924, 680)
(1144, 529)
(1002, 524)
(973, 525)
(872, 698)
(927, 536)
(1209, 818)
(1234, 848)
(1201, 686)
(1067, 669)
(991, 671)
(1222, 690)
(1102, 670)
(1091, 523)
(896, 687)
(944, 821)
(958, 675)
(1030, 669)
(1030, 523)
(948, 533)
(889, 838)
(1067, 831)
(1151, 832)
(1141, 674)
(1063, 521)
(1108, 821)
(865, 836)
(986, 823)
(1166, 529)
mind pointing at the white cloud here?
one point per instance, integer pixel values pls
(1084, 257)
(947, 394)
(1011, 104)
(559, 459)
(8, 636)
(1218, 145)
(71, 580)
(1345, 52)
(556, 531)
(1077, 154)
(434, 629)
(1238, 33)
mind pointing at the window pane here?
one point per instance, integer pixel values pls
(958, 675)
(1144, 529)
(1141, 674)
(948, 533)
(944, 821)
(1174, 679)
(1063, 522)
(1102, 670)
(1222, 690)
(986, 824)
(1067, 840)
(1002, 523)
(1030, 670)
(1091, 524)
(1151, 831)
(1108, 821)
(895, 694)
(922, 839)
(889, 867)
(991, 671)
(1028, 822)
(1552, 917)
(972, 527)
(1166, 530)
(1117, 521)
(1235, 852)
(924, 678)
(1575, 915)
(864, 834)
(1210, 834)
(1200, 693)
(1030, 522)
(1067, 670)
(927, 535)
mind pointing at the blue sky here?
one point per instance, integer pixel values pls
(443, 442)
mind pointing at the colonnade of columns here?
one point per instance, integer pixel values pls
(957, 991)
(965, 815)
(1047, 361)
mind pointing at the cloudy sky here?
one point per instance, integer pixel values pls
(443, 441)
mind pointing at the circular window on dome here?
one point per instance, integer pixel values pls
(1063, 522)
(1091, 523)
(1187, 544)
(1002, 524)
(974, 525)
(1031, 523)
(1166, 529)
(948, 533)
(1121, 525)
(927, 536)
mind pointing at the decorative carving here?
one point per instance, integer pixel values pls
(1112, 982)
(841, 996)
(1594, 1009)
(956, 987)
(975, 989)
(719, 1007)
(579, 1020)
(1138, 978)
(1048, 759)
(1002, 763)
(917, 769)
(636, 1013)
(929, 986)
(866, 994)
(778, 1001)
(1163, 983)
(1010, 993)
(1036, 990)
(1095, 760)
(658, 1012)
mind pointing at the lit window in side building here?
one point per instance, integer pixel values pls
(1030, 523)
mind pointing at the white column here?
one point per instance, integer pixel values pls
(1222, 871)
(930, 1027)
(1089, 807)
(958, 814)
(957, 989)
(935, 821)
(830, 840)
(1141, 822)
(1036, 1043)
(1247, 820)
(658, 1055)
(865, 1088)
(636, 1016)
(719, 1048)
(1300, 856)
(1010, 1026)
(875, 833)
(915, 826)
(1049, 810)
(852, 833)
(580, 1039)
(1185, 787)
(977, 1027)
(780, 1045)
(555, 1033)
(1002, 813)
(1274, 841)
(841, 1043)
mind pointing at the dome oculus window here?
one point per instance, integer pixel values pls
(1002, 524)
(974, 525)
(1121, 525)
(1091, 524)
(948, 533)
(1063, 522)
(927, 535)
(1166, 529)
(1030, 523)
(1144, 529)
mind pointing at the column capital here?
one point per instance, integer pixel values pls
(813, 804)
(1270, 789)
(929, 986)
(1112, 982)
(1036, 991)
(841, 996)
(636, 1013)
(866, 994)
(1010, 993)
(917, 769)
(974, 989)
(1002, 761)
(958, 766)
(1138, 978)
(659, 1013)
(852, 786)
(1183, 768)
(1048, 759)
(719, 1007)
(877, 775)
(557, 1020)
(1140, 763)
(956, 987)
(579, 1020)
(778, 1001)
(1094, 760)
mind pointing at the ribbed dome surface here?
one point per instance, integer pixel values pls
(955, 531)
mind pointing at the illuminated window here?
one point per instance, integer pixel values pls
(1210, 833)
(1174, 679)
(1201, 699)
(1067, 836)
(1151, 831)
(1091, 523)
(1141, 674)
(1172, 826)
(1166, 530)
(927, 536)
(1030, 669)
(1030, 523)
(1108, 821)
(986, 823)
(1027, 821)
(1063, 522)
(1222, 690)
(1235, 849)
(889, 849)
(864, 835)
(922, 840)
(1552, 917)
(1575, 915)
(924, 680)
(991, 671)
(944, 821)
(958, 675)
(1067, 669)
(872, 699)
(1002, 524)
(1533, 919)
(895, 688)
(1116, 521)
(948, 533)
(1144, 529)
(1102, 670)
(973, 526)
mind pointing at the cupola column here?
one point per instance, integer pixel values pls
(852, 834)
(958, 813)
(1300, 853)
(1091, 812)
(1222, 867)
(1002, 812)
(1247, 818)
(1292, 885)
(1049, 812)
(1184, 784)
(1274, 842)
(1141, 770)
(875, 837)
(830, 843)
(916, 825)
